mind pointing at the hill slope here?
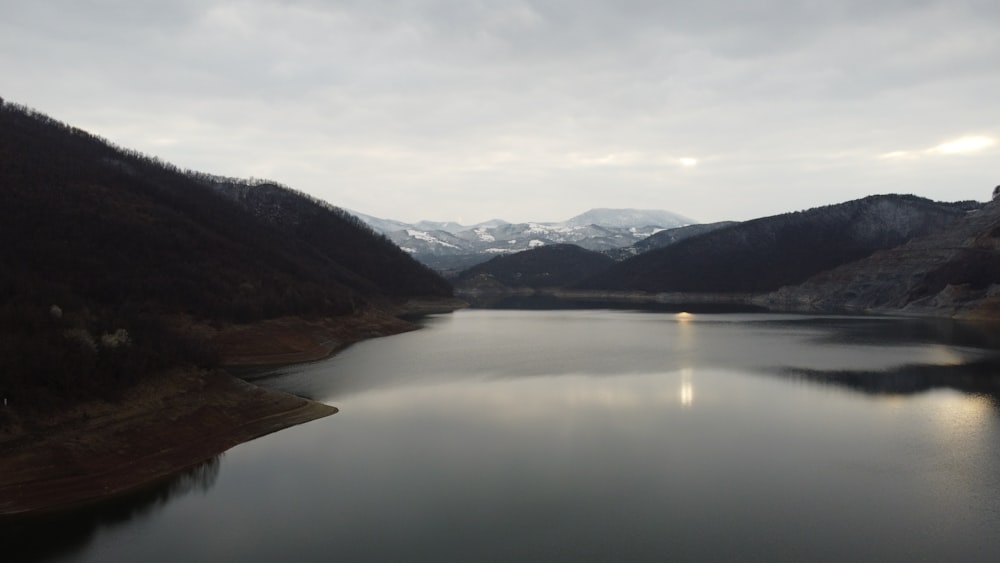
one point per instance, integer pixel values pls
(546, 266)
(956, 271)
(767, 253)
(102, 246)
(675, 235)
(339, 236)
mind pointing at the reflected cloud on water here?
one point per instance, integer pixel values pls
(490, 344)
(610, 435)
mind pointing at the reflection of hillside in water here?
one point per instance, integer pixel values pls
(51, 536)
(548, 302)
(980, 377)
(885, 331)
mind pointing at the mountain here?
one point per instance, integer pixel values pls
(665, 238)
(449, 246)
(390, 225)
(316, 223)
(543, 267)
(767, 253)
(953, 272)
(671, 236)
(562, 265)
(105, 250)
(628, 218)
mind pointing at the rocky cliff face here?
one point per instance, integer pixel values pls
(953, 272)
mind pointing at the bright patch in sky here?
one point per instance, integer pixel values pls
(688, 162)
(965, 144)
(958, 146)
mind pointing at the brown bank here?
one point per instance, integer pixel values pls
(177, 420)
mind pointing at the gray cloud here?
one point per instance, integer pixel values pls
(530, 109)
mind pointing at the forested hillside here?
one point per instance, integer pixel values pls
(370, 260)
(102, 246)
(543, 267)
(954, 272)
(767, 253)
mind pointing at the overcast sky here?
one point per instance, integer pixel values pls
(532, 109)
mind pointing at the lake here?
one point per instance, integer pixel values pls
(602, 435)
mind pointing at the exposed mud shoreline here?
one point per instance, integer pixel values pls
(162, 426)
(176, 420)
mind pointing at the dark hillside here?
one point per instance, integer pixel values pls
(546, 266)
(101, 241)
(665, 238)
(338, 235)
(765, 254)
(953, 272)
(675, 235)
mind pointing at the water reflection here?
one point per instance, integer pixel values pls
(684, 351)
(582, 467)
(49, 536)
(687, 388)
(553, 303)
(581, 436)
(882, 331)
(977, 377)
(502, 344)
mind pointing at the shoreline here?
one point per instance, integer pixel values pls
(986, 309)
(176, 420)
(163, 426)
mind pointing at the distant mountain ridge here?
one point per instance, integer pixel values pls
(552, 266)
(671, 236)
(451, 246)
(767, 253)
(885, 252)
(628, 218)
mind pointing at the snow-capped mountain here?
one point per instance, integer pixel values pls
(627, 218)
(448, 245)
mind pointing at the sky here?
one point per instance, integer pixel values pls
(532, 110)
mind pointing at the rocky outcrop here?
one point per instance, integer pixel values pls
(954, 272)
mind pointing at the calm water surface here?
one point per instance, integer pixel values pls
(602, 436)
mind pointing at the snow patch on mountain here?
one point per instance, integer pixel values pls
(426, 237)
(448, 244)
(625, 218)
